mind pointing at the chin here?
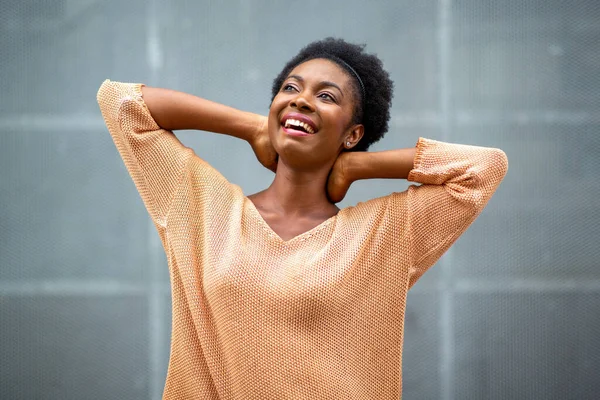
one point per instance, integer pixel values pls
(300, 159)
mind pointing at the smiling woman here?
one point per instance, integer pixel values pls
(282, 295)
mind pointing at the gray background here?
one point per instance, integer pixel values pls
(512, 311)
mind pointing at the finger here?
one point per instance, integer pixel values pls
(339, 196)
(334, 194)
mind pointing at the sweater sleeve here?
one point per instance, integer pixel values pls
(154, 157)
(456, 183)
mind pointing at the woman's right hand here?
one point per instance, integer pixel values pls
(263, 149)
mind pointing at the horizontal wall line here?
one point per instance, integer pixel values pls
(525, 286)
(86, 288)
(525, 118)
(417, 119)
(61, 122)
(465, 118)
(82, 288)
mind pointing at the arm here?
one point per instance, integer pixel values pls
(154, 157)
(456, 180)
(353, 166)
(393, 164)
(173, 110)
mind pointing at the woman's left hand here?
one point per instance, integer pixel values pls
(339, 180)
(262, 147)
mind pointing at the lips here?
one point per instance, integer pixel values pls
(299, 122)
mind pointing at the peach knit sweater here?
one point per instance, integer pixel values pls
(319, 316)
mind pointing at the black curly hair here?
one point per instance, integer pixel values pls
(374, 110)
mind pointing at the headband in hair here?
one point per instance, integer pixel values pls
(362, 86)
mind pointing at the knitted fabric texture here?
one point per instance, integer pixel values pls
(319, 316)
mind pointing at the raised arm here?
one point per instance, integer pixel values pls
(456, 183)
(140, 120)
(173, 110)
(354, 166)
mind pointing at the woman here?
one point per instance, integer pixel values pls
(281, 295)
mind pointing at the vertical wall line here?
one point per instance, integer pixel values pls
(156, 329)
(446, 298)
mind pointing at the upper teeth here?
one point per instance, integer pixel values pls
(295, 122)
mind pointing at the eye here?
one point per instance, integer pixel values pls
(327, 96)
(287, 88)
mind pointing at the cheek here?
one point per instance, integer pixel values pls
(273, 128)
(272, 116)
(338, 123)
(277, 105)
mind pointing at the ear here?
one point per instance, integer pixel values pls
(353, 135)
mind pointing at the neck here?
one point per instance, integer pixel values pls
(299, 193)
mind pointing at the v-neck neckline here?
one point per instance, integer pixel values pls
(301, 236)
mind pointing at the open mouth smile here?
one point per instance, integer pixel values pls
(298, 125)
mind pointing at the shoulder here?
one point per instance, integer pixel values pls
(376, 205)
(382, 220)
(376, 210)
(205, 181)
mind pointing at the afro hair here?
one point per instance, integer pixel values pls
(374, 110)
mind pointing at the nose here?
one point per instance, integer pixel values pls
(301, 102)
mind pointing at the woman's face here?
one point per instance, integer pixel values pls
(309, 119)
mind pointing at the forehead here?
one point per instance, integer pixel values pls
(321, 69)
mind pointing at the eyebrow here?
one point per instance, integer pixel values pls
(323, 83)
